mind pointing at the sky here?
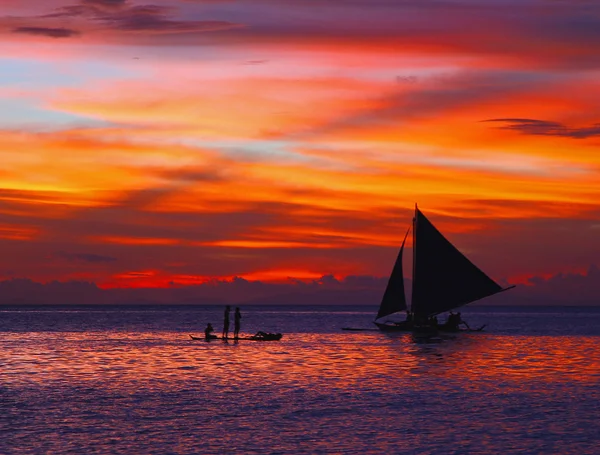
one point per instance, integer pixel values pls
(162, 144)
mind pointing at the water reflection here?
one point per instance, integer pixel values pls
(309, 393)
(303, 357)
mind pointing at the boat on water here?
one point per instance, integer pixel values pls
(443, 280)
(259, 336)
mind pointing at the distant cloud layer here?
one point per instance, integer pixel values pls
(560, 289)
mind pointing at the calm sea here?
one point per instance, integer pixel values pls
(129, 380)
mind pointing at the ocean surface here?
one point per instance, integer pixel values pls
(129, 380)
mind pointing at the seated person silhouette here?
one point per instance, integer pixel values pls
(208, 333)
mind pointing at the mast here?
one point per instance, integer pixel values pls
(414, 268)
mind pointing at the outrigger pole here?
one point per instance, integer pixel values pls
(506, 289)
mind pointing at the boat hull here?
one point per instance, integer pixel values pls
(404, 326)
(266, 337)
(425, 330)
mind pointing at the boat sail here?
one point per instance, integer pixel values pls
(443, 279)
(394, 299)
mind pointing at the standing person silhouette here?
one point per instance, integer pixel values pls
(236, 323)
(226, 322)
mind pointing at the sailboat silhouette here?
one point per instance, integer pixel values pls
(443, 280)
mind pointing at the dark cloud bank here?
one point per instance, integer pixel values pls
(47, 31)
(546, 128)
(120, 16)
(561, 289)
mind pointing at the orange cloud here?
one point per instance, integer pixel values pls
(234, 150)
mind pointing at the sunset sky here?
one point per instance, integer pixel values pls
(162, 143)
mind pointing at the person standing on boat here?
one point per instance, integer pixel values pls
(226, 322)
(237, 317)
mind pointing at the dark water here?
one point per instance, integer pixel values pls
(85, 380)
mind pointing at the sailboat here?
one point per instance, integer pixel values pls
(443, 280)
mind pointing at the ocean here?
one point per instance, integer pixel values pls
(129, 380)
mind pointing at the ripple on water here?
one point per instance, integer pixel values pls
(351, 393)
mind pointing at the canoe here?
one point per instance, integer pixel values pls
(257, 337)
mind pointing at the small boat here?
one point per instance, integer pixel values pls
(266, 336)
(443, 280)
(259, 336)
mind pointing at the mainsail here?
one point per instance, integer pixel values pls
(443, 278)
(394, 299)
